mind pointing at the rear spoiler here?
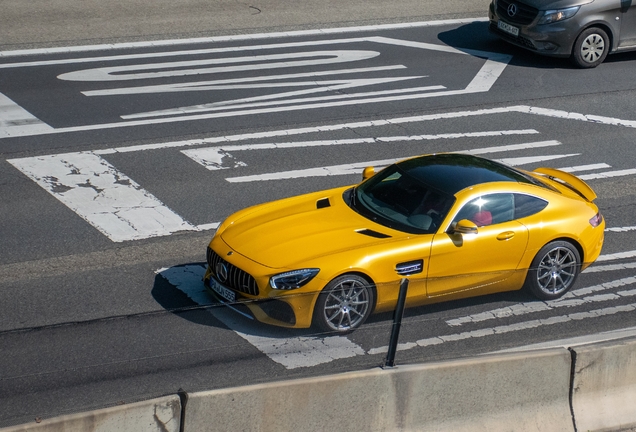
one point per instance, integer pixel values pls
(569, 180)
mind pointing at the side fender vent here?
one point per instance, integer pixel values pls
(372, 233)
(410, 268)
(323, 203)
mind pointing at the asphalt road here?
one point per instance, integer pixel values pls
(97, 309)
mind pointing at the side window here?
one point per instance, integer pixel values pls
(488, 209)
(526, 205)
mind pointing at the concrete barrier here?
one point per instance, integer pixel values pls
(520, 391)
(587, 388)
(161, 414)
(604, 386)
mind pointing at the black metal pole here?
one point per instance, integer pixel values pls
(397, 323)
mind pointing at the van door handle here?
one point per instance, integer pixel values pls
(506, 235)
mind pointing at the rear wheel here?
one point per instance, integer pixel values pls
(590, 48)
(553, 270)
(344, 304)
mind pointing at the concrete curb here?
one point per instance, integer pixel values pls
(604, 386)
(584, 388)
(161, 414)
(521, 391)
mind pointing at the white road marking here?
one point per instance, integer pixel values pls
(291, 352)
(231, 38)
(490, 71)
(618, 255)
(621, 229)
(114, 219)
(355, 168)
(534, 159)
(589, 167)
(610, 267)
(222, 65)
(214, 158)
(524, 325)
(608, 174)
(573, 298)
(104, 197)
(353, 125)
(277, 98)
(15, 120)
(232, 83)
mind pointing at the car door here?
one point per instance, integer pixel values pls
(485, 259)
(627, 35)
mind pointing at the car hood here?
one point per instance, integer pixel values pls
(555, 4)
(294, 231)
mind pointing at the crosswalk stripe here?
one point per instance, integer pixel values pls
(291, 352)
(16, 121)
(104, 197)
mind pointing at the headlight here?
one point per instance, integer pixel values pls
(558, 15)
(292, 279)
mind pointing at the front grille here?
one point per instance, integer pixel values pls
(236, 279)
(523, 16)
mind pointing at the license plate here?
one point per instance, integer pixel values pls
(225, 293)
(508, 28)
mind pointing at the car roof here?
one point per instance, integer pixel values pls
(452, 172)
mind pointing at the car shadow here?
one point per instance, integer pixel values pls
(476, 36)
(179, 290)
(177, 302)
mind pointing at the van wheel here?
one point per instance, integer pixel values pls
(590, 48)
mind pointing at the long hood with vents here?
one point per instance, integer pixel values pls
(293, 231)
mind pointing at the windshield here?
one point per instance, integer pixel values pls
(397, 200)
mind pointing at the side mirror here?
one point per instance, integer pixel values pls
(368, 172)
(465, 226)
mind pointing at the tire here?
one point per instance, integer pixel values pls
(344, 304)
(554, 270)
(590, 48)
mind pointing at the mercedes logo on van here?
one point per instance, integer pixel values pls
(512, 10)
(221, 272)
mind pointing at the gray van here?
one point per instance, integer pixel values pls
(585, 30)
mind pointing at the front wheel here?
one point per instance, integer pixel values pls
(590, 48)
(344, 304)
(553, 270)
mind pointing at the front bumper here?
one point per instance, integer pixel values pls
(256, 299)
(554, 39)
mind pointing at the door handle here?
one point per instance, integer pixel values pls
(507, 235)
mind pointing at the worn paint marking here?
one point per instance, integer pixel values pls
(104, 197)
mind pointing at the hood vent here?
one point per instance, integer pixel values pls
(372, 233)
(323, 203)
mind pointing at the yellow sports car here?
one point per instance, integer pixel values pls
(456, 225)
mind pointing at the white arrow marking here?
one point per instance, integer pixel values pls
(483, 81)
(275, 98)
(212, 85)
